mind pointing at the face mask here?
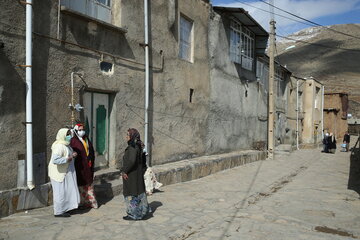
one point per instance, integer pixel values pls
(68, 138)
(81, 133)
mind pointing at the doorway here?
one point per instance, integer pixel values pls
(97, 122)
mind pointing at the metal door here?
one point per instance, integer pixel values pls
(96, 114)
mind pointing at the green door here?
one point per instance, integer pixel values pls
(96, 113)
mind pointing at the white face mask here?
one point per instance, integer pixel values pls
(81, 133)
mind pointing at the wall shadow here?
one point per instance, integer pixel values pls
(41, 51)
(354, 172)
(12, 88)
(93, 37)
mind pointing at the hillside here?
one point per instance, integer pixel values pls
(336, 68)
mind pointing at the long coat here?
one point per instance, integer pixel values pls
(84, 169)
(133, 167)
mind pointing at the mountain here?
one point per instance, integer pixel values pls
(330, 57)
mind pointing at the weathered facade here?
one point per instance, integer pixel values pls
(312, 105)
(335, 113)
(103, 52)
(238, 102)
(208, 81)
(282, 88)
(295, 112)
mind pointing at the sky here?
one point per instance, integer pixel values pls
(323, 12)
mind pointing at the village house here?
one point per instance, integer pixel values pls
(335, 113)
(208, 84)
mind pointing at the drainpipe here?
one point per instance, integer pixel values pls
(322, 112)
(146, 124)
(58, 20)
(29, 132)
(297, 114)
(72, 100)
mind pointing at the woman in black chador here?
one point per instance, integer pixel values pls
(133, 177)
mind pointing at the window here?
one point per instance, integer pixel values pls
(317, 98)
(99, 9)
(241, 45)
(262, 74)
(185, 48)
(235, 36)
(104, 2)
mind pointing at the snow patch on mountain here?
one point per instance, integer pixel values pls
(302, 35)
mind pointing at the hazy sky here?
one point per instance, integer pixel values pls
(324, 12)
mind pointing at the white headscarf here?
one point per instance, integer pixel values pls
(60, 137)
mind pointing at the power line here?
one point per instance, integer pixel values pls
(274, 13)
(304, 19)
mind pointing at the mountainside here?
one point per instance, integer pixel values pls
(326, 58)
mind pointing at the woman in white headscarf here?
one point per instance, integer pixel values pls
(63, 175)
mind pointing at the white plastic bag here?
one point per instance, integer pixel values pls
(150, 181)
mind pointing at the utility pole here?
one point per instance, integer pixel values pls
(271, 108)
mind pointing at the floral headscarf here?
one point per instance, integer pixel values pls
(135, 138)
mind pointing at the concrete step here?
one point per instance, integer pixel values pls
(106, 175)
(284, 148)
(107, 190)
(282, 153)
(107, 183)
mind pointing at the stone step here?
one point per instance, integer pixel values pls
(107, 190)
(282, 153)
(284, 148)
(106, 175)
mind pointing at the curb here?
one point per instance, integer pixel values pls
(16, 200)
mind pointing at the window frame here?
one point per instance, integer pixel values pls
(243, 52)
(189, 56)
(108, 3)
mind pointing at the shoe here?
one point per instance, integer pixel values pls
(128, 218)
(63, 215)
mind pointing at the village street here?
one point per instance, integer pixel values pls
(303, 195)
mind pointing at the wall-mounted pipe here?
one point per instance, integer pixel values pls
(322, 112)
(146, 123)
(72, 99)
(29, 129)
(297, 114)
(72, 106)
(58, 20)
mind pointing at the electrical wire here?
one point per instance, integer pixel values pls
(304, 19)
(274, 13)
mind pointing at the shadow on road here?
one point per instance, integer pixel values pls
(354, 172)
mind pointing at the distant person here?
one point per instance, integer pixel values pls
(84, 165)
(332, 143)
(326, 143)
(346, 140)
(62, 175)
(132, 173)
